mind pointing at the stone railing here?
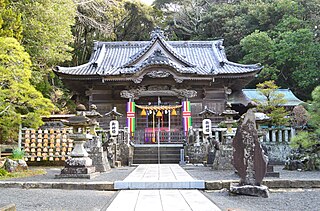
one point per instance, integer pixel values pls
(275, 140)
(268, 135)
(278, 135)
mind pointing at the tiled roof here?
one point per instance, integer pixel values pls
(197, 57)
(249, 95)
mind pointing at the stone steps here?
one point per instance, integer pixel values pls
(149, 154)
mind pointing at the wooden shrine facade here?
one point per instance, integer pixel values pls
(160, 86)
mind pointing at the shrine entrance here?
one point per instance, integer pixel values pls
(159, 120)
(158, 114)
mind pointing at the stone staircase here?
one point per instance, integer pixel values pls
(148, 154)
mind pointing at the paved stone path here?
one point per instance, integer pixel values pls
(163, 176)
(161, 187)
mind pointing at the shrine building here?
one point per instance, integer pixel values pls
(161, 87)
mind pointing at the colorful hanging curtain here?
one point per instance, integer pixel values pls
(186, 115)
(131, 121)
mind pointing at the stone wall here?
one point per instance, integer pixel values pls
(277, 152)
(197, 153)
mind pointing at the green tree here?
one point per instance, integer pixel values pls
(137, 21)
(46, 36)
(17, 96)
(10, 21)
(113, 20)
(314, 111)
(272, 106)
(92, 23)
(283, 35)
(308, 142)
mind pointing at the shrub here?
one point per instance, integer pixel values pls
(17, 154)
(3, 172)
(304, 140)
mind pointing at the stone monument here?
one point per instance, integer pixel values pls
(94, 145)
(223, 158)
(79, 165)
(249, 159)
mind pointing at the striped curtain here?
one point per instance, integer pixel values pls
(186, 115)
(131, 120)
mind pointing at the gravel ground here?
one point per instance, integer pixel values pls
(113, 175)
(207, 173)
(54, 199)
(44, 199)
(279, 200)
(196, 171)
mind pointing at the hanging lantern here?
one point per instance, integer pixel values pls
(174, 112)
(143, 112)
(159, 114)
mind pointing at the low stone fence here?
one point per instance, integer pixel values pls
(275, 140)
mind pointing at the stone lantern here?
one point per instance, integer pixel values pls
(207, 113)
(79, 165)
(93, 115)
(114, 114)
(261, 118)
(229, 117)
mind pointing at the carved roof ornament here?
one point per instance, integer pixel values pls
(158, 56)
(161, 91)
(158, 87)
(158, 74)
(132, 93)
(157, 32)
(178, 80)
(137, 80)
(186, 92)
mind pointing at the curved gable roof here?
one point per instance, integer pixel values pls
(128, 57)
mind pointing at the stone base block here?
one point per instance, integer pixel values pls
(78, 162)
(250, 190)
(77, 167)
(273, 174)
(77, 176)
(78, 170)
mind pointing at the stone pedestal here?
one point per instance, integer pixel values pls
(250, 190)
(271, 172)
(79, 165)
(224, 156)
(95, 151)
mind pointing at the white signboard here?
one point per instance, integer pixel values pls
(206, 126)
(114, 128)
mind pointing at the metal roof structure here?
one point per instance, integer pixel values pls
(203, 58)
(247, 96)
